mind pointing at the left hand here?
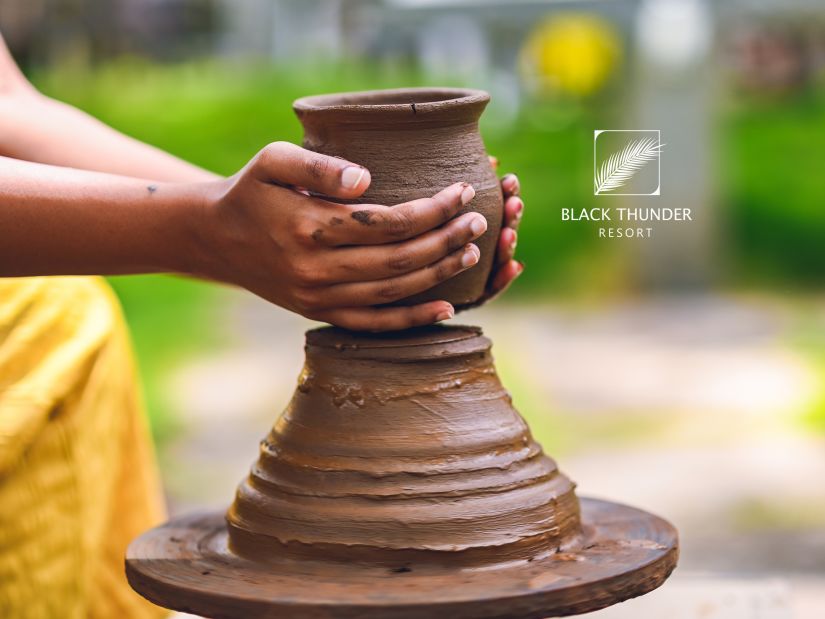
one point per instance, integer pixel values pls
(505, 268)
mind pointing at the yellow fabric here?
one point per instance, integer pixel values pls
(77, 472)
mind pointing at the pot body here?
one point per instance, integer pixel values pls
(414, 142)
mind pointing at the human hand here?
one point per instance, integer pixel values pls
(328, 261)
(505, 268)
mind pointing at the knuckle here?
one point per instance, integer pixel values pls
(400, 260)
(389, 291)
(277, 147)
(306, 299)
(399, 221)
(305, 231)
(316, 166)
(305, 275)
(271, 151)
(441, 271)
(445, 209)
(453, 240)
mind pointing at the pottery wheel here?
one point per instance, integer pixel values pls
(185, 565)
(400, 482)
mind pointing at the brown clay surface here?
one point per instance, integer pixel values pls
(415, 142)
(400, 482)
(186, 565)
(401, 448)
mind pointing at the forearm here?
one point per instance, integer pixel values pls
(60, 221)
(36, 128)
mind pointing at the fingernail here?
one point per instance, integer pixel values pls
(478, 225)
(445, 315)
(351, 176)
(467, 194)
(513, 241)
(509, 182)
(469, 258)
(494, 162)
(519, 210)
(520, 268)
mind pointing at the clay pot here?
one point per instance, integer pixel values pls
(415, 142)
(402, 449)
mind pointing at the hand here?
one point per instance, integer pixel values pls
(329, 261)
(505, 268)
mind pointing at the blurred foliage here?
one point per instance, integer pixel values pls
(169, 318)
(771, 173)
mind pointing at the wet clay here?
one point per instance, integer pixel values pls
(415, 142)
(402, 448)
(400, 482)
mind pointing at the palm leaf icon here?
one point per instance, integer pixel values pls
(620, 167)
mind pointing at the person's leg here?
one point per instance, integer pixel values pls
(77, 473)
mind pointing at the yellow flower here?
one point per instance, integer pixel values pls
(571, 52)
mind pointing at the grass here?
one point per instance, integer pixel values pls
(170, 320)
(772, 183)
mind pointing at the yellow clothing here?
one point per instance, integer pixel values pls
(77, 472)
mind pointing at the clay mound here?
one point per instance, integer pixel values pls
(396, 450)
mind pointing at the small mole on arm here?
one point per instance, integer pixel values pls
(151, 189)
(317, 235)
(364, 217)
(336, 221)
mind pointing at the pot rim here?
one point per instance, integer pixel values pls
(424, 99)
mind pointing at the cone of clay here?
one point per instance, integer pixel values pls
(400, 483)
(401, 451)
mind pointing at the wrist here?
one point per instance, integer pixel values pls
(179, 209)
(193, 229)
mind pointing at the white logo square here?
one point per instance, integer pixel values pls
(626, 162)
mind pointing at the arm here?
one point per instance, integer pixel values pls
(36, 128)
(306, 254)
(65, 221)
(62, 221)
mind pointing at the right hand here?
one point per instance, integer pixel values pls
(328, 261)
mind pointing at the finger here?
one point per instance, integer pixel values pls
(493, 161)
(388, 318)
(513, 211)
(504, 277)
(383, 291)
(510, 185)
(370, 224)
(287, 164)
(506, 247)
(372, 262)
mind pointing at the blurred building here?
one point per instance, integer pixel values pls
(47, 32)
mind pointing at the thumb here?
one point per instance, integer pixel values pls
(288, 164)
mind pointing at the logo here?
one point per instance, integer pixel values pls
(626, 162)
